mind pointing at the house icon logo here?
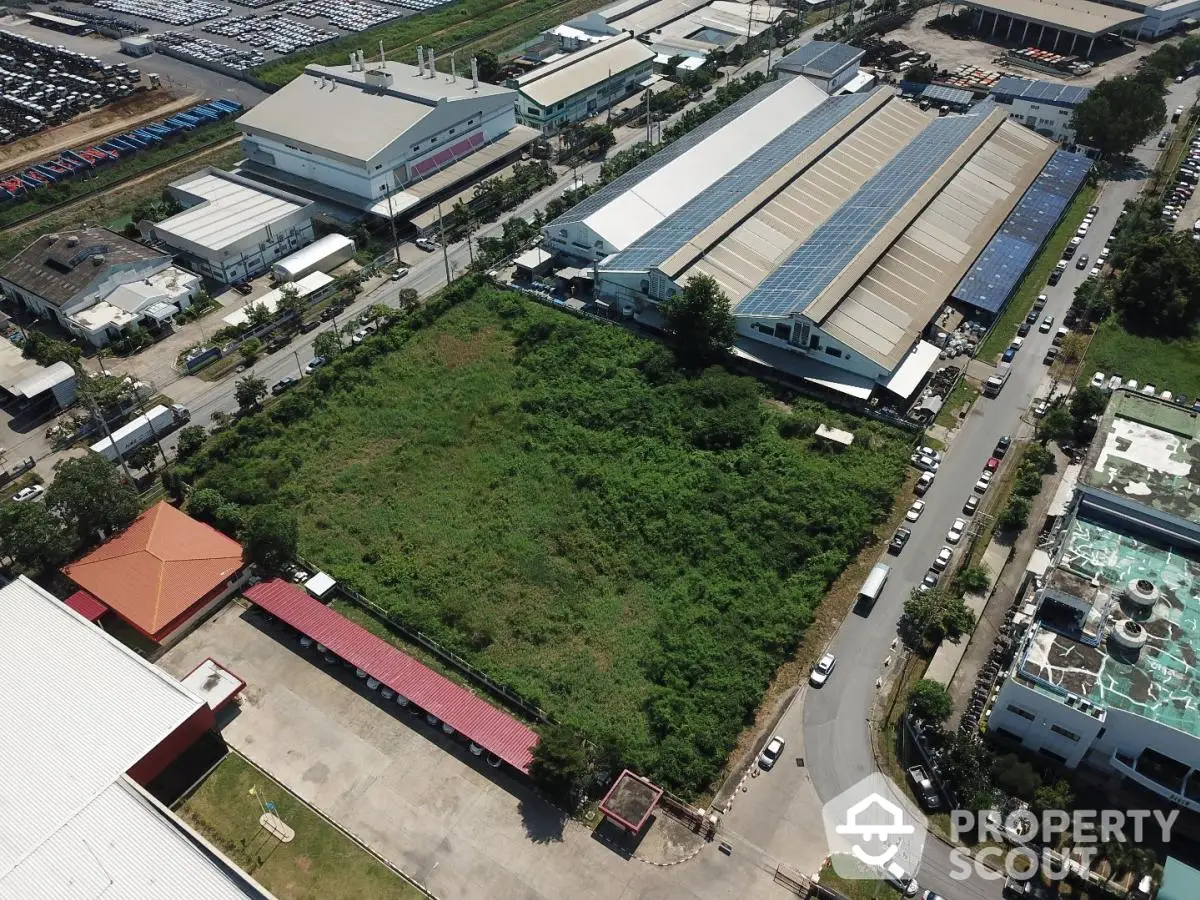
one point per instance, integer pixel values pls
(873, 824)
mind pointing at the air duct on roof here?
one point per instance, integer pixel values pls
(421, 61)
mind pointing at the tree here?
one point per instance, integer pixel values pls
(1057, 796)
(326, 344)
(1118, 115)
(1015, 776)
(488, 64)
(88, 496)
(936, 614)
(46, 351)
(407, 298)
(272, 536)
(290, 303)
(1016, 513)
(1073, 346)
(966, 765)
(32, 537)
(173, 484)
(250, 349)
(257, 314)
(204, 503)
(930, 701)
(700, 319)
(143, 457)
(1055, 425)
(974, 579)
(922, 73)
(248, 392)
(1158, 292)
(190, 440)
(560, 764)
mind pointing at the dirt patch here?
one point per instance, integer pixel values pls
(304, 864)
(453, 351)
(94, 126)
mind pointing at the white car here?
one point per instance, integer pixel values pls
(30, 493)
(1095, 273)
(942, 559)
(399, 273)
(895, 873)
(1040, 409)
(313, 364)
(425, 244)
(770, 753)
(984, 482)
(822, 670)
(930, 452)
(1098, 380)
(914, 511)
(923, 462)
(954, 535)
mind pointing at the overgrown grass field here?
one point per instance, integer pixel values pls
(635, 550)
(1166, 364)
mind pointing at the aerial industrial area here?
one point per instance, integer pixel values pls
(543, 449)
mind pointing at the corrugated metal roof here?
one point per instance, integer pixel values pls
(820, 58)
(229, 211)
(939, 93)
(1069, 95)
(492, 729)
(78, 709)
(1080, 16)
(86, 605)
(583, 69)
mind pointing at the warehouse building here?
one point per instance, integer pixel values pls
(1063, 26)
(89, 725)
(95, 283)
(232, 228)
(828, 64)
(1045, 106)
(374, 136)
(837, 226)
(582, 84)
(1104, 674)
(678, 27)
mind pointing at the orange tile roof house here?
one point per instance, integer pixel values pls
(161, 571)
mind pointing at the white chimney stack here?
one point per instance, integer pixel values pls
(474, 73)
(353, 63)
(382, 57)
(453, 68)
(421, 61)
(432, 63)
(362, 62)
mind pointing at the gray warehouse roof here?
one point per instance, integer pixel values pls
(820, 58)
(1078, 16)
(229, 209)
(1069, 95)
(579, 71)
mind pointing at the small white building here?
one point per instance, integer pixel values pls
(582, 84)
(1045, 106)
(95, 283)
(828, 64)
(233, 228)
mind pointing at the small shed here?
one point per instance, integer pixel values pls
(532, 264)
(320, 585)
(137, 45)
(214, 684)
(836, 435)
(630, 801)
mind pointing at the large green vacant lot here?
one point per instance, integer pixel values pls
(635, 550)
(1166, 364)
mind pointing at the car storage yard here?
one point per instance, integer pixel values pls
(416, 796)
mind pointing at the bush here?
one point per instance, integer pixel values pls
(930, 701)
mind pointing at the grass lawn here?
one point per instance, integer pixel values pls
(1034, 282)
(962, 393)
(1168, 365)
(857, 888)
(632, 550)
(320, 864)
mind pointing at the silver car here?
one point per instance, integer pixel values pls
(822, 670)
(770, 753)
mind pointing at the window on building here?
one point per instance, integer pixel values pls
(833, 351)
(1023, 713)
(1069, 735)
(814, 342)
(783, 330)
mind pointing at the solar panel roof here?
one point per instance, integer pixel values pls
(991, 280)
(810, 269)
(938, 93)
(664, 239)
(820, 58)
(1042, 91)
(671, 151)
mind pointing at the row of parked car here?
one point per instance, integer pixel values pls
(1185, 186)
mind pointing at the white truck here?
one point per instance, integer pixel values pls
(155, 422)
(995, 384)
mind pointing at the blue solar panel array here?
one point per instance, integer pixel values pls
(664, 239)
(1051, 92)
(810, 269)
(938, 93)
(991, 280)
(675, 149)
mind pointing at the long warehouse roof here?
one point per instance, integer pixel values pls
(492, 729)
(582, 70)
(230, 209)
(1080, 16)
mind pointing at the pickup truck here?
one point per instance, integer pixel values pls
(923, 786)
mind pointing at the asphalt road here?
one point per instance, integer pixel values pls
(834, 719)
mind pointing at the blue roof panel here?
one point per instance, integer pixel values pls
(1052, 92)
(660, 242)
(820, 58)
(811, 268)
(991, 280)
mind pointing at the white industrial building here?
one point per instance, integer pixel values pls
(1105, 672)
(837, 226)
(582, 84)
(1045, 106)
(321, 256)
(232, 228)
(381, 137)
(84, 717)
(828, 64)
(96, 284)
(678, 27)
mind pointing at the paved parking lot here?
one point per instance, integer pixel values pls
(417, 797)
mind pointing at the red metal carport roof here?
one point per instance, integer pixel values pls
(489, 727)
(86, 605)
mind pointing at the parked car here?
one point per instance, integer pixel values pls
(914, 511)
(399, 273)
(426, 244)
(310, 326)
(1002, 446)
(242, 288)
(1040, 303)
(1008, 355)
(1082, 262)
(29, 493)
(1047, 324)
(923, 462)
(822, 670)
(983, 483)
(931, 579)
(924, 483)
(1051, 356)
(1098, 380)
(992, 464)
(942, 559)
(770, 753)
(313, 364)
(954, 535)
(894, 873)
(1040, 409)
(284, 384)
(899, 539)
(1023, 329)
(971, 505)
(1032, 317)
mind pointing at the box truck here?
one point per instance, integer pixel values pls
(155, 422)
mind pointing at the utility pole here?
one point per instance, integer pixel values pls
(445, 253)
(648, 138)
(392, 222)
(91, 402)
(299, 368)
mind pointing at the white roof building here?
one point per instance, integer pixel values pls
(306, 286)
(232, 227)
(78, 711)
